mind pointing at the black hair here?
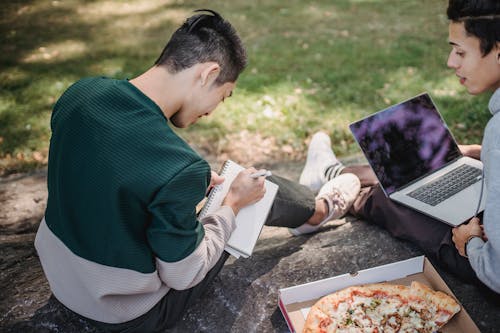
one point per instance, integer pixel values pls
(481, 19)
(203, 38)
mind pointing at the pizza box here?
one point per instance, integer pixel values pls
(294, 302)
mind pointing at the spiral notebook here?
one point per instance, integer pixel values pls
(250, 219)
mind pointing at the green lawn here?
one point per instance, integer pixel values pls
(312, 65)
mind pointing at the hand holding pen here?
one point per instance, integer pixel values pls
(247, 188)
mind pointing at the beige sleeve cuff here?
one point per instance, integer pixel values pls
(188, 272)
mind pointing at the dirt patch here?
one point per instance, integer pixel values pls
(23, 286)
(23, 198)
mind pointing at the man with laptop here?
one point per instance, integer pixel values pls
(412, 153)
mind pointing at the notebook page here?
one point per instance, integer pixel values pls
(250, 219)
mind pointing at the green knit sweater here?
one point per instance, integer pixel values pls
(122, 185)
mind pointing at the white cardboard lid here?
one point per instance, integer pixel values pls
(377, 274)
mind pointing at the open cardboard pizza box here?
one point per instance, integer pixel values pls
(294, 302)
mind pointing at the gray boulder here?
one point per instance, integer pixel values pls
(243, 298)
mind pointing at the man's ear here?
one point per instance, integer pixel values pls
(209, 73)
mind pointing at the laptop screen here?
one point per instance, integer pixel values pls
(405, 142)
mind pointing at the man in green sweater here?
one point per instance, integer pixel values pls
(120, 242)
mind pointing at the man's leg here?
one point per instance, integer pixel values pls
(303, 212)
(432, 236)
(293, 206)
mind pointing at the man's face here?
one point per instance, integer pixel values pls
(203, 101)
(477, 73)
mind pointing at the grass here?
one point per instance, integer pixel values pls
(313, 65)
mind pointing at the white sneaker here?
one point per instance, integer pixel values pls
(341, 191)
(339, 194)
(320, 157)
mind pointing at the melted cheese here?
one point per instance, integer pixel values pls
(389, 314)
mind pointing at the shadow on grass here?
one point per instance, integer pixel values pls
(343, 70)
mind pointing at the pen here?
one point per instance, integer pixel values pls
(265, 173)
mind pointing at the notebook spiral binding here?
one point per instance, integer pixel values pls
(213, 193)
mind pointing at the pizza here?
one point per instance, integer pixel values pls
(382, 307)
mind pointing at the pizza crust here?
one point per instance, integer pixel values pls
(441, 300)
(316, 321)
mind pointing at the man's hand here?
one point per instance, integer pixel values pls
(462, 233)
(472, 151)
(245, 190)
(215, 179)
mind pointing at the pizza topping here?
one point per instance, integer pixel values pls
(325, 322)
(374, 303)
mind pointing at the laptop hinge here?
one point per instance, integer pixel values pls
(427, 175)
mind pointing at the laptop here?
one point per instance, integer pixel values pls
(418, 163)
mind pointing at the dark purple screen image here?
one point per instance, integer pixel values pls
(405, 142)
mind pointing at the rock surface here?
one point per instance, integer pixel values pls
(243, 297)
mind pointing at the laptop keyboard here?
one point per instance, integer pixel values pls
(447, 185)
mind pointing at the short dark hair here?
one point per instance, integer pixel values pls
(481, 19)
(203, 38)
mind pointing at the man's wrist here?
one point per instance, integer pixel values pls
(232, 204)
(467, 242)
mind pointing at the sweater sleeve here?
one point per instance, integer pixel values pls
(484, 257)
(185, 249)
(189, 271)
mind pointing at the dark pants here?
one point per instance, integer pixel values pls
(168, 310)
(432, 236)
(293, 206)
